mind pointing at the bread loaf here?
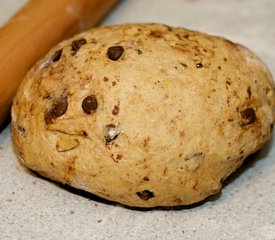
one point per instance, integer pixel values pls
(143, 114)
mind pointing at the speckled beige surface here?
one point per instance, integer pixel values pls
(34, 208)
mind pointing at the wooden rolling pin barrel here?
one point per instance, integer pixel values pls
(32, 31)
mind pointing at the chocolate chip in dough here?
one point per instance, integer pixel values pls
(84, 133)
(57, 55)
(249, 116)
(199, 65)
(115, 52)
(59, 107)
(146, 179)
(145, 195)
(89, 104)
(115, 111)
(139, 52)
(77, 44)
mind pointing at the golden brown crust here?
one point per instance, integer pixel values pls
(143, 114)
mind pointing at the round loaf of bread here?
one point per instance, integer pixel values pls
(143, 114)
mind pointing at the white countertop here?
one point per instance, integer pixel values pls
(35, 208)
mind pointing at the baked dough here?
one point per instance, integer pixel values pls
(143, 114)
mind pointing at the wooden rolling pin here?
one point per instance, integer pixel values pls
(37, 27)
